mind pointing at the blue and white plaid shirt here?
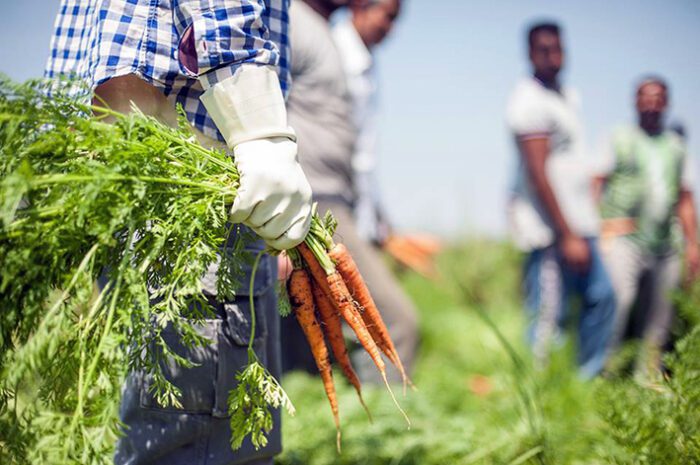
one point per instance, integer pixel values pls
(96, 40)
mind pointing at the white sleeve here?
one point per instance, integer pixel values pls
(364, 163)
(527, 115)
(605, 157)
(687, 173)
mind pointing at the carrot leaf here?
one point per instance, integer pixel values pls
(250, 404)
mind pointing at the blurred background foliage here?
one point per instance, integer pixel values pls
(480, 400)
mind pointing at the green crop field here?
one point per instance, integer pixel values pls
(481, 401)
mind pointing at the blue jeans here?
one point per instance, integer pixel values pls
(549, 287)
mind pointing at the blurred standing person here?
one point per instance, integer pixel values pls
(321, 109)
(552, 213)
(356, 37)
(647, 184)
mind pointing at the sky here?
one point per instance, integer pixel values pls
(446, 158)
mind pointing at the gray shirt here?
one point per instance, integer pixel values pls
(319, 106)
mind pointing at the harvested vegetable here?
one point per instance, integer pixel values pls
(302, 300)
(105, 233)
(333, 329)
(347, 268)
(315, 251)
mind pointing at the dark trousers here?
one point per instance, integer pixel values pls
(549, 287)
(199, 432)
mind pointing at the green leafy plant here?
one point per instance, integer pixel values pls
(105, 232)
(657, 422)
(257, 390)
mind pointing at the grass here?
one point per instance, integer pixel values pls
(480, 401)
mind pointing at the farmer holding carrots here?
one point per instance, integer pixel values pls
(646, 185)
(323, 111)
(552, 213)
(226, 62)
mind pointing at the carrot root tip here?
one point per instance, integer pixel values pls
(364, 406)
(396, 402)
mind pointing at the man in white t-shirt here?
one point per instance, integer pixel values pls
(552, 213)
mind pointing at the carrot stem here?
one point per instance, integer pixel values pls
(396, 402)
(251, 300)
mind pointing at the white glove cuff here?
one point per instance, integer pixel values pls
(248, 105)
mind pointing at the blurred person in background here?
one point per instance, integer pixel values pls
(552, 213)
(356, 38)
(646, 185)
(226, 64)
(324, 112)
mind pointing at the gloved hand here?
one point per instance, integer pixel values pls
(274, 197)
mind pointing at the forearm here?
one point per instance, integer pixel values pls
(688, 217)
(598, 186)
(535, 153)
(545, 193)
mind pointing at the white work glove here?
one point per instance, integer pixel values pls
(274, 196)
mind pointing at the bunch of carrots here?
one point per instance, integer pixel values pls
(325, 288)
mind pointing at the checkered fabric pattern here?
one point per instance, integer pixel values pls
(96, 40)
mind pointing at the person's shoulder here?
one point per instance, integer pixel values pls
(308, 30)
(355, 56)
(528, 110)
(342, 30)
(303, 16)
(675, 140)
(526, 87)
(622, 138)
(572, 95)
(624, 130)
(526, 96)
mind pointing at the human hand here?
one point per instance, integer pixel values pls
(274, 197)
(284, 267)
(576, 252)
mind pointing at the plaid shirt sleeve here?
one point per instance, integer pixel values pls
(223, 35)
(97, 40)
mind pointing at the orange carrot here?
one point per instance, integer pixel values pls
(302, 301)
(332, 327)
(338, 293)
(315, 268)
(334, 287)
(373, 319)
